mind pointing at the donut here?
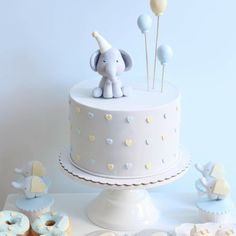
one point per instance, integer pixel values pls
(51, 224)
(14, 223)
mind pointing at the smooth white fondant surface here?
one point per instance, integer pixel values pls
(134, 136)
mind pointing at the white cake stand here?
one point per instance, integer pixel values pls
(124, 204)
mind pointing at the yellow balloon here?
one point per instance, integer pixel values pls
(158, 6)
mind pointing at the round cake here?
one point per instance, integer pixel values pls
(129, 137)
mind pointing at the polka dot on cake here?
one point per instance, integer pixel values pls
(109, 141)
(78, 109)
(78, 157)
(110, 167)
(129, 119)
(165, 116)
(128, 166)
(147, 142)
(163, 161)
(128, 142)
(108, 117)
(149, 120)
(90, 115)
(148, 165)
(91, 138)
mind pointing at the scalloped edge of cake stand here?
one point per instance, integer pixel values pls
(169, 176)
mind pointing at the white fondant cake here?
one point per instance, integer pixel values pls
(135, 136)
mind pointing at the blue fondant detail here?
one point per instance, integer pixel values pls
(34, 204)
(90, 115)
(144, 23)
(216, 206)
(165, 54)
(109, 141)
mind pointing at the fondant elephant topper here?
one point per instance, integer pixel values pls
(32, 186)
(211, 170)
(217, 189)
(32, 168)
(110, 63)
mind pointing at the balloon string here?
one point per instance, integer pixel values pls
(155, 60)
(147, 60)
(163, 77)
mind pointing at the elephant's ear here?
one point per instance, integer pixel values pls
(127, 59)
(94, 60)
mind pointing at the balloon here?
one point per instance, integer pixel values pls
(165, 54)
(144, 23)
(158, 6)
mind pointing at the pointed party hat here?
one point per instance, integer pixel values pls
(103, 44)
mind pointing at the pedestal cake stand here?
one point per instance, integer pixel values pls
(124, 204)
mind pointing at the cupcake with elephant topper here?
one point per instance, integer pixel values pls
(215, 203)
(34, 184)
(110, 63)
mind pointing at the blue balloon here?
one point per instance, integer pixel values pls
(144, 23)
(165, 54)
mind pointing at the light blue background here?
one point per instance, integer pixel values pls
(45, 48)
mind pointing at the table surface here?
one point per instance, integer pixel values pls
(176, 209)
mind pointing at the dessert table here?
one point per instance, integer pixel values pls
(176, 208)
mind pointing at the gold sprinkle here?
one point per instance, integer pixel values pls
(110, 167)
(108, 117)
(128, 142)
(148, 165)
(78, 157)
(149, 119)
(92, 138)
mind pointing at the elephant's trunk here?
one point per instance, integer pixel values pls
(111, 72)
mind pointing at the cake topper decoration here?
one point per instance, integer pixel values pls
(145, 23)
(165, 54)
(32, 168)
(211, 169)
(110, 63)
(32, 186)
(158, 7)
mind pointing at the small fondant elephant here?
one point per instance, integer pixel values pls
(32, 168)
(211, 170)
(110, 63)
(32, 186)
(216, 189)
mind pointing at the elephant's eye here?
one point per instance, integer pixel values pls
(104, 61)
(117, 61)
